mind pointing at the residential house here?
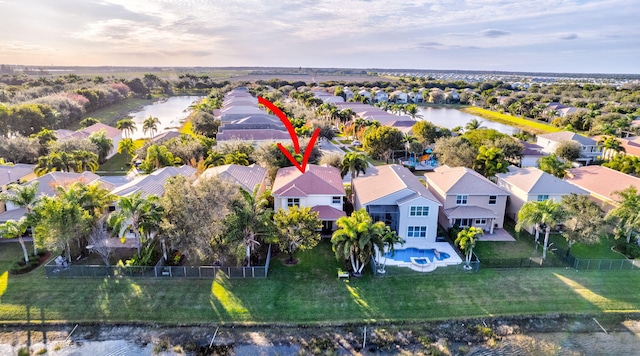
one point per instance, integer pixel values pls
(380, 95)
(602, 183)
(399, 97)
(394, 195)
(247, 177)
(112, 133)
(320, 187)
(531, 184)
(415, 97)
(467, 198)
(152, 183)
(17, 173)
(530, 155)
(589, 149)
(47, 186)
(365, 93)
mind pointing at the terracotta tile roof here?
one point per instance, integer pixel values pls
(601, 181)
(245, 176)
(534, 181)
(382, 181)
(110, 131)
(326, 212)
(462, 180)
(317, 180)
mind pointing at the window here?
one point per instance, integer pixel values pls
(493, 199)
(419, 211)
(293, 201)
(543, 197)
(480, 222)
(461, 222)
(336, 200)
(461, 199)
(417, 231)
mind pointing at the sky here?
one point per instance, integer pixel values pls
(572, 36)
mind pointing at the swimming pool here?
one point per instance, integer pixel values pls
(406, 254)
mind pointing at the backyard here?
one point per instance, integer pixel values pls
(311, 293)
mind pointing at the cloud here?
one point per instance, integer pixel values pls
(493, 33)
(571, 36)
(429, 45)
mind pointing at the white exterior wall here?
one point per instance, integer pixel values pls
(309, 201)
(116, 140)
(529, 161)
(430, 221)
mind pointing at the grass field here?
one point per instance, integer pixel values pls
(118, 163)
(523, 124)
(311, 293)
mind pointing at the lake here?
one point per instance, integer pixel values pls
(450, 118)
(170, 112)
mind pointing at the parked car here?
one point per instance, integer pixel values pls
(356, 143)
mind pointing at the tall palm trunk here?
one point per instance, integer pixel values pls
(24, 249)
(547, 230)
(535, 248)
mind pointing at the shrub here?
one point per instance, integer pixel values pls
(631, 250)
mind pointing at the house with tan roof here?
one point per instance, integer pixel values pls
(589, 149)
(394, 195)
(111, 133)
(247, 177)
(602, 183)
(532, 184)
(467, 198)
(320, 187)
(48, 186)
(17, 173)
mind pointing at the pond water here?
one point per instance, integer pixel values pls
(450, 118)
(170, 112)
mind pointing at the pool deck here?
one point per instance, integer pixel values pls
(445, 247)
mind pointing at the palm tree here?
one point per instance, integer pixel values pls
(150, 125)
(552, 165)
(357, 238)
(12, 229)
(85, 160)
(127, 126)
(214, 158)
(610, 146)
(126, 146)
(354, 163)
(541, 214)
(490, 160)
(236, 157)
(140, 214)
(474, 124)
(626, 216)
(55, 161)
(389, 239)
(413, 111)
(103, 143)
(24, 196)
(250, 221)
(466, 240)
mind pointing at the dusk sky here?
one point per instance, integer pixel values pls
(577, 36)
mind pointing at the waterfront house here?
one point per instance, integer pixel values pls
(394, 195)
(467, 198)
(247, 177)
(602, 183)
(320, 187)
(531, 184)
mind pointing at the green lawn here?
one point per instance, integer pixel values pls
(523, 124)
(118, 163)
(310, 293)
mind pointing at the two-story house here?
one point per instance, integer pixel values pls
(589, 149)
(394, 195)
(531, 184)
(319, 187)
(468, 198)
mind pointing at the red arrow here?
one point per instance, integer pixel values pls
(294, 136)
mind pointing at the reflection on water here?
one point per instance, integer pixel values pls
(451, 118)
(170, 112)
